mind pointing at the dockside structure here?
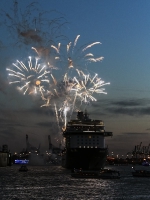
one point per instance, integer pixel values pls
(5, 156)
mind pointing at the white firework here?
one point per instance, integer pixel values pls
(85, 87)
(29, 78)
(73, 57)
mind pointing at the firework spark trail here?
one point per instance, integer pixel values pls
(46, 104)
(68, 46)
(56, 48)
(90, 45)
(35, 51)
(41, 89)
(73, 104)
(54, 80)
(95, 59)
(66, 109)
(75, 42)
(30, 78)
(56, 113)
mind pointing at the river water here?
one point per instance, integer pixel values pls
(56, 183)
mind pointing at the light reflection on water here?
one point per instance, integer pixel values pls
(56, 183)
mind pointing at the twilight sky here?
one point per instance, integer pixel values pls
(123, 28)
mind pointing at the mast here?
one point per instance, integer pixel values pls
(50, 144)
(27, 143)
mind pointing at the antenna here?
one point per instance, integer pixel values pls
(50, 144)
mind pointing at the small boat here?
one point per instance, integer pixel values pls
(140, 173)
(145, 163)
(23, 168)
(110, 174)
(102, 174)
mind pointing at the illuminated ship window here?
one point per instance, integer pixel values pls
(89, 136)
(84, 146)
(95, 146)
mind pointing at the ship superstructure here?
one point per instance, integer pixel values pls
(85, 143)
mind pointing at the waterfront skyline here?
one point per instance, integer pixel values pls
(123, 28)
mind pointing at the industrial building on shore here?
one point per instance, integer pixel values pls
(5, 156)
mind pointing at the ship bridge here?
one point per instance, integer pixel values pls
(85, 133)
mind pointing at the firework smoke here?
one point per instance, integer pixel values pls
(31, 26)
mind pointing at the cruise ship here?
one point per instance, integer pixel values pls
(85, 143)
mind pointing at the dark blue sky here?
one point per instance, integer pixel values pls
(123, 28)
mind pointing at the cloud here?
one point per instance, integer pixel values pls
(46, 124)
(130, 111)
(10, 132)
(2, 85)
(131, 107)
(135, 133)
(125, 142)
(130, 102)
(8, 123)
(36, 109)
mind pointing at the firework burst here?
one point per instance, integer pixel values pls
(29, 78)
(73, 57)
(85, 87)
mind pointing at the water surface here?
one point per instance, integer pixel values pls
(56, 183)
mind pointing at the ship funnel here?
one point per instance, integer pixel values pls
(86, 116)
(50, 144)
(27, 143)
(80, 115)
